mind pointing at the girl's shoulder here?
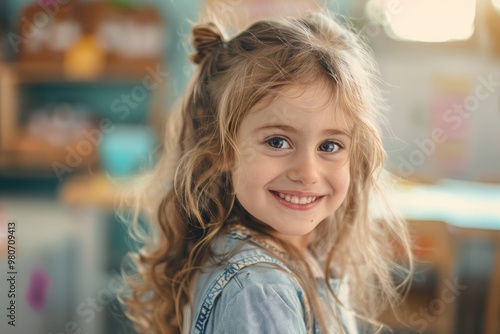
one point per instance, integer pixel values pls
(251, 284)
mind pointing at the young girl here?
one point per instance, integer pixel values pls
(261, 208)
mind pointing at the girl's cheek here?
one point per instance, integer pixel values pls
(247, 151)
(243, 171)
(346, 179)
(248, 155)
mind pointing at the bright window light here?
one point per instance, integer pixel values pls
(496, 4)
(425, 20)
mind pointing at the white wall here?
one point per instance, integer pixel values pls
(411, 72)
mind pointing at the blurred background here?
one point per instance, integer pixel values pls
(84, 90)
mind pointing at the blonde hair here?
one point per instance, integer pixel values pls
(188, 199)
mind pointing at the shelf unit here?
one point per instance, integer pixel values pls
(8, 105)
(88, 45)
(21, 155)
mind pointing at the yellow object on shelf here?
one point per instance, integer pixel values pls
(85, 60)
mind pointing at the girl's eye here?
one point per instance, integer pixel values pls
(330, 146)
(277, 142)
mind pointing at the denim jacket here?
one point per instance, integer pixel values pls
(251, 295)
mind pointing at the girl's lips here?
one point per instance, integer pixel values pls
(296, 206)
(298, 193)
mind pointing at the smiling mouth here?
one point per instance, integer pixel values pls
(296, 199)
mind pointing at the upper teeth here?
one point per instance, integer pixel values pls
(296, 199)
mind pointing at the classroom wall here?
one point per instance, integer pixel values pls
(444, 111)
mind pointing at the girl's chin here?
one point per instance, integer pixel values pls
(293, 233)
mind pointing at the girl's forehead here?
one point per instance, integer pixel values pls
(307, 98)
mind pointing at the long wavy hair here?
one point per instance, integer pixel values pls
(187, 200)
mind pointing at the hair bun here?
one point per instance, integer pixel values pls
(206, 37)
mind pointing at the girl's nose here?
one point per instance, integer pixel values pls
(304, 168)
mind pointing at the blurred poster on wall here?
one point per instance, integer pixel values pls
(450, 117)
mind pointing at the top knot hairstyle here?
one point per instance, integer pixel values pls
(205, 37)
(188, 199)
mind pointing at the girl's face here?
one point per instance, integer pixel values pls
(293, 168)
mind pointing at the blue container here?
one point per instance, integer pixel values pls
(126, 149)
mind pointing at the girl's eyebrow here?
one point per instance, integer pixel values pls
(291, 129)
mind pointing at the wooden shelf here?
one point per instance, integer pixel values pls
(20, 155)
(24, 155)
(96, 190)
(44, 73)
